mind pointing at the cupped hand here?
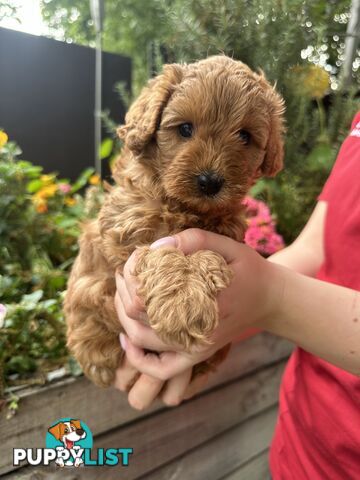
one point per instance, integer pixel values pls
(247, 302)
(144, 389)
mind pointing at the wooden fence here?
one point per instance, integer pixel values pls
(223, 433)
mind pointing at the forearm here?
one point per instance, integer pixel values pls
(320, 317)
(298, 257)
(306, 254)
(295, 257)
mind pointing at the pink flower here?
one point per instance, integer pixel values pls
(64, 187)
(261, 233)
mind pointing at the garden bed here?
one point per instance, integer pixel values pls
(226, 428)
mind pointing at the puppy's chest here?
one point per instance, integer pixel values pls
(232, 224)
(144, 223)
(127, 225)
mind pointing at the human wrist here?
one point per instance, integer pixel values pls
(274, 283)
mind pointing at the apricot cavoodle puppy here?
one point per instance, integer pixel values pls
(194, 142)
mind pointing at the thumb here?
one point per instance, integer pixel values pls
(194, 239)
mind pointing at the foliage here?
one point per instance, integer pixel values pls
(39, 226)
(299, 44)
(312, 143)
(7, 10)
(267, 34)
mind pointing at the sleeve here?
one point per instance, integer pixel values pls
(331, 183)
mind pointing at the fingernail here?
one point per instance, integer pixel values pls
(164, 242)
(123, 341)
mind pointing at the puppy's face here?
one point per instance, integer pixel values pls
(217, 131)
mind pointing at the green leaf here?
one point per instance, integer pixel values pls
(106, 148)
(29, 169)
(49, 303)
(34, 186)
(259, 187)
(32, 299)
(57, 282)
(82, 180)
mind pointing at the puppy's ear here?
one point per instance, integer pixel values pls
(76, 423)
(274, 156)
(143, 118)
(55, 431)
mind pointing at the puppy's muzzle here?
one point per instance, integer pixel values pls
(209, 183)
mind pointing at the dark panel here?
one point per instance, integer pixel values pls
(47, 98)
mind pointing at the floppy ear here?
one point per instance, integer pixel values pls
(55, 431)
(76, 423)
(274, 156)
(144, 115)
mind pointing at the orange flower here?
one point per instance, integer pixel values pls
(46, 191)
(69, 201)
(95, 179)
(47, 179)
(41, 206)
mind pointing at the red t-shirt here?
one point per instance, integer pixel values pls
(317, 436)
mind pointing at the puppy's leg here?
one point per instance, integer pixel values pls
(180, 292)
(92, 324)
(94, 347)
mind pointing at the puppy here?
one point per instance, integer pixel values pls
(195, 140)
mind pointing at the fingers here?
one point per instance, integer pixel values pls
(175, 388)
(194, 239)
(132, 303)
(143, 389)
(130, 279)
(139, 334)
(144, 392)
(162, 366)
(126, 375)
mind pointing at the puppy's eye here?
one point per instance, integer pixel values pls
(66, 430)
(245, 136)
(186, 130)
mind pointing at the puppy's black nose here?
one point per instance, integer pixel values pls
(80, 431)
(209, 183)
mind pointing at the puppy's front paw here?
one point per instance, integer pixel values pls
(180, 292)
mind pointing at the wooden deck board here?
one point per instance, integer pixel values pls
(107, 410)
(257, 468)
(218, 457)
(188, 431)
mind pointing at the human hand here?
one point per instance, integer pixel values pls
(247, 302)
(144, 389)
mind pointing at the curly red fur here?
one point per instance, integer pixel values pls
(156, 195)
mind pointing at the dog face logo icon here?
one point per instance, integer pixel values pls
(69, 437)
(68, 432)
